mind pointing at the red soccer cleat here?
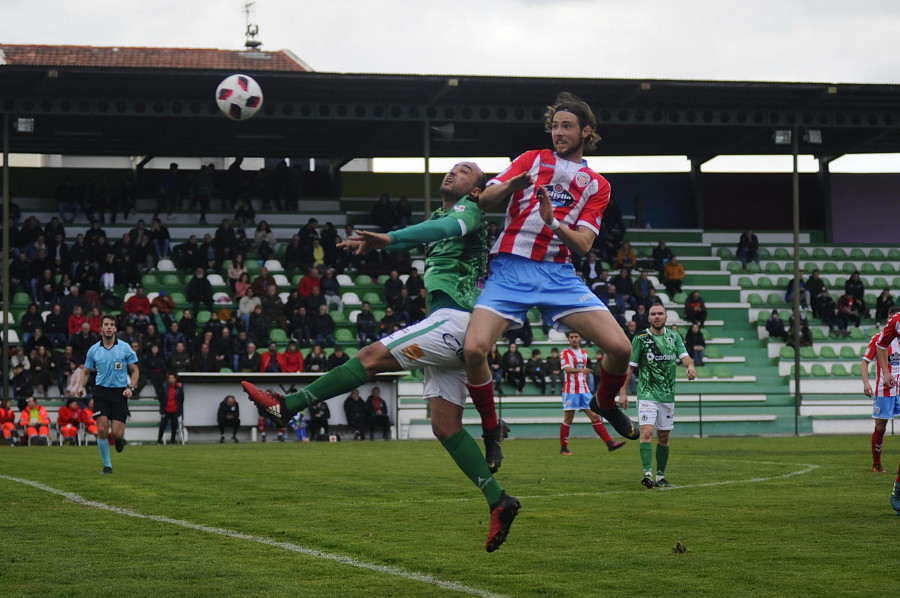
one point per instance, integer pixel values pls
(502, 514)
(270, 404)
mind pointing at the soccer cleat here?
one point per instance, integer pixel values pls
(107, 470)
(502, 514)
(612, 445)
(565, 451)
(270, 404)
(493, 454)
(647, 482)
(663, 483)
(120, 445)
(879, 468)
(618, 419)
(895, 497)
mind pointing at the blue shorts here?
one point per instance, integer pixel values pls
(886, 407)
(517, 284)
(576, 400)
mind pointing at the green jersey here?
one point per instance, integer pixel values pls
(455, 264)
(655, 356)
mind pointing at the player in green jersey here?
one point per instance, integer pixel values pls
(455, 260)
(654, 354)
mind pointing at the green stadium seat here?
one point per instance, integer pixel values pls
(725, 253)
(893, 253)
(534, 315)
(896, 284)
(373, 297)
(775, 299)
(857, 254)
(226, 371)
(171, 281)
(808, 353)
(876, 254)
(830, 268)
(382, 279)
(295, 279)
(704, 373)
(344, 335)
(21, 298)
(782, 282)
(764, 253)
(808, 267)
(150, 282)
(856, 370)
(818, 334)
(278, 335)
(868, 268)
(819, 253)
(857, 334)
(782, 254)
(828, 352)
(838, 253)
(803, 371)
(765, 282)
(804, 253)
(849, 353)
(734, 268)
(364, 279)
(538, 333)
(351, 351)
(838, 369)
(722, 371)
(203, 317)
(178, 298)
(754, 268)
(887, 268)
(745, 282)
(880, 282)
(712, 352)
(339, 317)
(773, 268)
(379, 314)
(848, 268)
(787, 352)
(253, 267)
(818, 370)
(680, 298)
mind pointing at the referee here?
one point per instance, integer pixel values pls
(114, 361)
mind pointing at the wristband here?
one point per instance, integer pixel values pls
(554, 224)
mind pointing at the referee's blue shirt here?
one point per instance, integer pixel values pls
(111, 364)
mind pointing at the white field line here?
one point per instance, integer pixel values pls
(344, 560)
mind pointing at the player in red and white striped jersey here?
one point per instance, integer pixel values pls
(888, 335)
(886, 403)
(554, 206)
(577, 395)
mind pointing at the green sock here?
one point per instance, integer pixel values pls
(662, 459)
(338, 381)
(647, 456)
(465, 451)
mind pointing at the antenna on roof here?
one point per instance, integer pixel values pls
(252, 30)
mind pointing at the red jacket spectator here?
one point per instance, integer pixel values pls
(75, 321)
(293, 359)
(138, 303)
(313, 279)
(94, 322)
(267, 360)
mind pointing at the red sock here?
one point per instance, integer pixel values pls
(600, 429)
(877, 441)
(483, 399)
(608, 390)
(564, 434)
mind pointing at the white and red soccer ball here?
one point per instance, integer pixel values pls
(239, 97)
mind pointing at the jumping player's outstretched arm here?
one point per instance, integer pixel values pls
(407, 238)
(500, 193)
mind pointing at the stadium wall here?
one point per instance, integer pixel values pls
(860, 203)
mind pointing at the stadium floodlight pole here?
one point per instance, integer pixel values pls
(5, 266)
(427, 154)
(795, 147)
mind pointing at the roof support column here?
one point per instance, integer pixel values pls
(697, 184)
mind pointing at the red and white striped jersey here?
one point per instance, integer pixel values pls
(893, 351)
(890, 332)
(575, 358)
(579, 196)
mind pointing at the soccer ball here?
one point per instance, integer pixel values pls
(239, 97)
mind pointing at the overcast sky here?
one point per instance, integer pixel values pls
(767, 40)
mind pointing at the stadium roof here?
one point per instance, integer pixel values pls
(156, 108)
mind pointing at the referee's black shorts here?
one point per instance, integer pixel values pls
(111, 403)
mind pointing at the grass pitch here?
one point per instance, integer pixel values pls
(760, 516)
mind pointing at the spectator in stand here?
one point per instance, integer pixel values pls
(225, 242)
(554, 370)
(695, 309)
(163, 303)
(273, 307)
(145, 254)
(314, 301)
(590, 269)
(259, 326)
(849, 309)
(392, 287)
(366, 326)
(56, 326)
(312, 279)
(856, 288)
(329, 240)
(35, 422)
(250, 360)
(414, 283)
(67, 421)
(228, 415)
(383, 214)
(626, 258)
(403, 212)
(20, 275)
(205, 360)
(236, 269)
(188, 255)
(180, 359)
(828, 311)
(208, 253)
(238, 348)
(513, 365)
(748, 248)
(199, 290)
(83, 341)
(272, 360)
(171, 407)
(315, 360)
(159, 237)
(805, 298)
(322, 327)
(8, 422)
(245, 214)
(641, 318)
(389, 323)
(805, 334)
(242, 285)
(172, 338)
(318, 420)
(301, 327)
(379, 415)
(293, 358)
(45, 289)
(642, 287)
(775, 327)
(308, 234)
(127, 272)
(357, 413)
(202, 190)
(294, 258)
(318, 254)
(331, 289)
(535, 370)
(695, 344)
(188, 325)
(336, 359)
(264, 242)
(420, 307)
(30, 322)
(403, 306)
(76, 320)
(884, 303)
(168, 192)
(815, 285)
(661, 256)
(616, 304)
(41, 370)
(108, 272)
(625, 287)
(673, 276)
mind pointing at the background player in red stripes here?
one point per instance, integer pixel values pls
(886, 404)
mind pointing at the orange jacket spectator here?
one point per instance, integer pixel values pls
(674, 271)
(7, 422)
(163, 303)
(67, 419)
(34, 419)
(86, 416)
(293, 359)
(138, 303)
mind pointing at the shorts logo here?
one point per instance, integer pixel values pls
(877, 410)
(118, 365)
(413, 352)
(582, 179)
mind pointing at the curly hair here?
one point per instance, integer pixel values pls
(568, 102)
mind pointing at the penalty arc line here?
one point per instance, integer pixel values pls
(344, 560)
